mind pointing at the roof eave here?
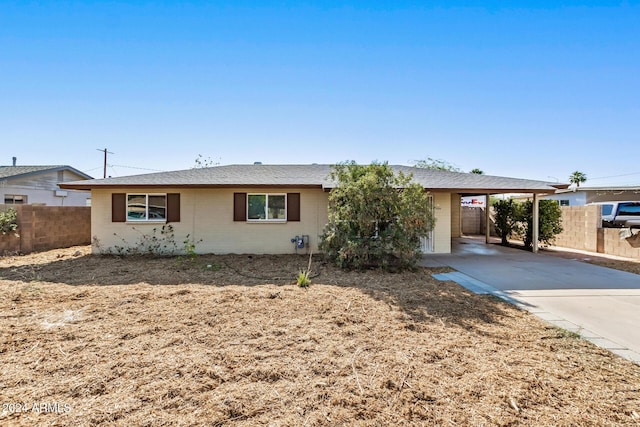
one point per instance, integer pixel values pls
(85, 187)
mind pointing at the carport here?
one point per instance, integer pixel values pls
(535, 193)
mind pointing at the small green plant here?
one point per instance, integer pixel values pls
(9, 222)
(160, 242)
(189, 247)
(304, 279)
(564, 333)
(213, 267)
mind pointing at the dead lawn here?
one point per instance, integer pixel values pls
(151, 342)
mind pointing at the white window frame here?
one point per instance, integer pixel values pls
(146, 208)
(266, 208)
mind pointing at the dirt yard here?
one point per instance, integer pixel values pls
(631, 266)
(230, 340)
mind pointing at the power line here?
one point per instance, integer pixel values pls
(135, 167)
(615, 176)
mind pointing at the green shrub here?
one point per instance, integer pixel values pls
(507, 215)
(376, 218)
(549, 221)
(9, 221)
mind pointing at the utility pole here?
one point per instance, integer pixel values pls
(105, 160)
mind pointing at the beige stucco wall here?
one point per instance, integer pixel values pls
(456, 215)
(442, 229)
(207, 216)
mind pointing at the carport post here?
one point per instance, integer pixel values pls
(536, 219)
(487, 219)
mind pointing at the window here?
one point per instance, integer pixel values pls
(146, 207)
(563, 202)
(630, 209)
(607, 209)
(263, 207)
(14, 199)
(266, 207)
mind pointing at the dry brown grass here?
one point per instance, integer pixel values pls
(160, 342)
(629, 265)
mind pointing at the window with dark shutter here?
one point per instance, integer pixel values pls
(239, 206)
(118, 207)
(173, 207)
(293, 206)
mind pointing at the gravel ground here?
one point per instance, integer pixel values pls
(231, 340)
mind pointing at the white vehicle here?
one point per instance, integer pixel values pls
(620, 214)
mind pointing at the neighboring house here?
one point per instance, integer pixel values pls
(261, 208)
(580, 196)
(39, 185)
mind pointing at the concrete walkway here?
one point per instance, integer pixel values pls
(601, 304)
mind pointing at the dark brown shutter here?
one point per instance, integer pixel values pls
(293, 206)
(118, 207)
(239, 206)
(173, 207)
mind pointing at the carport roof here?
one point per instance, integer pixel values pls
(315, 176)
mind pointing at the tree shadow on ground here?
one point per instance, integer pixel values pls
(419, 296)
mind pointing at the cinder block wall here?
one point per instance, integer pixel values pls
(581, 231)
(580, 228)
(472, 220)
(613, 245)
(48, 227)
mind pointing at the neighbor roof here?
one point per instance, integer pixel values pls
(258, 175)
(635, 188)
(22, 171)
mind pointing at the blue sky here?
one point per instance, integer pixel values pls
(525, 89)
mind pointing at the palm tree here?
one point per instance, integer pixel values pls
(577, 178)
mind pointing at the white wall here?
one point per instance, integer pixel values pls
(41, 188)
(577, 198)
(47, 197)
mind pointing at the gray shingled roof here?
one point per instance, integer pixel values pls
(309, 176)
(17, 171)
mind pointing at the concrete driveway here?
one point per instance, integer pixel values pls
(601, 304)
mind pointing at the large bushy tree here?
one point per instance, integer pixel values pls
(506, 219)
(436, 164)
(549, 221)
(514, 218)
(376, 218)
